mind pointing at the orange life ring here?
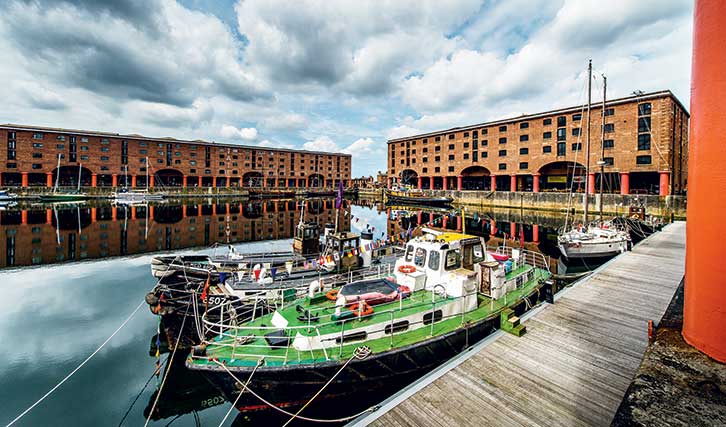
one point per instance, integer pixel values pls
(332, 294)
(361, 309)
(406, 269)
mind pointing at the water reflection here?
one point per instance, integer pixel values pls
(45, 234)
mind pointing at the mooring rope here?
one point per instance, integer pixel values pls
(315, 420)
(128, 411)
(22, 414)
(168, 369)
(234, 404)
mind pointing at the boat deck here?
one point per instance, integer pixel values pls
(249, 353)
(574, 364)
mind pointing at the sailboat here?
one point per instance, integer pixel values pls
(602, 238)
(65, 196)
(128, 196)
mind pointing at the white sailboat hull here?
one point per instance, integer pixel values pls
(593, 249)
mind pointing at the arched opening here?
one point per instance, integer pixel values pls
(561, 176)
(252, 179)
(475, 178)
(71, 218)
(37, 179)
(168, 214)
(11, 179)
(168, 178)
(104, 180)
(409, 177)
(68, 176)
(316, 180)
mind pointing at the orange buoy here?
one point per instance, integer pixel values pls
(361, 309)
(332, 294)
(406, 269)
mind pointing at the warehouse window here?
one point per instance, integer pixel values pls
(451, 146)
(644, 124)
(577, 117)
(561, 134)
(502, 166)
(502, 128)
(547, 135)
(523, 151)
(609, 161)
(561, 148)
(37, 166)
(37, 136)
(546, 122)
(608, 143)
(451, 168)
(609, 127)
(644, 141)
(451, 136)
(502, 153)
(643, 160)
(547, 149)
(437, 139)
(609, 111)
(503, 140)
(644, 109)
(577, 146)
(37, 155)
(451, 157)
(466, 156)
(524, 125)
(575, 131)
(561, 121)
(523, 165)
(523, 138)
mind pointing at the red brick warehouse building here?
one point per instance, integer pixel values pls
(645, 151)
(30, 155)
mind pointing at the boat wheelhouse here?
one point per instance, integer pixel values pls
(446, 294)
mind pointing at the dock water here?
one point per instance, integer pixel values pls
(574, 364)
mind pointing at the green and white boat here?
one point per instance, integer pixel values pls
(446, 294)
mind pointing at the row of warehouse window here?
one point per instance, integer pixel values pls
(644, 109)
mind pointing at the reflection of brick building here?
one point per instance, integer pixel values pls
(645, 150)
(43, 236)
(30, 154)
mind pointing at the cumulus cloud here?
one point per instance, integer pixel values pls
(231, 132)
(289, 121)
(171, 116)
(40, 96)
(321, 143)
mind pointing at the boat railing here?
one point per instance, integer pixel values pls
(525, 257)
(235, 337)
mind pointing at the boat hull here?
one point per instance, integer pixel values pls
(419, 201)
(592, 249)
(293, 385)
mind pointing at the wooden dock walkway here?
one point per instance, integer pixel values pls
(573, 365)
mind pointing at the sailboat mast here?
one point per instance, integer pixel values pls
(146, 187)
(602, 140)
(57, 175)
(80, 167)
(587, 146)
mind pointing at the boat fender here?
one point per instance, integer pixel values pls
(155, 309)
(314, 288)
(404, 291)
(151, 299)
(199, 350)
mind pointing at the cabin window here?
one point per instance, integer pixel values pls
(434, 260)
(355, 336)
(453, 259)
(420, 259)
(399, 326)
(409, 253)
(430, 317)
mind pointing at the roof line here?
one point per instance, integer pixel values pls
(616, 101)
(13, 126)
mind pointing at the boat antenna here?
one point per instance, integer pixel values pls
(587, 146)
(602, 140)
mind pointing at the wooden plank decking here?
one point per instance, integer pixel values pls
(573, 365)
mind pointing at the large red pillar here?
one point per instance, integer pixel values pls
(49, 179)
(591, 183)
(493, 183)
(513, 183)
(431, 183)
(459, 182)
(199, 182)
(535, 233)
(133, 181)
(389, 182)
(624, 183)
(24, 179)
(704, 310)
(24, 216)
(94, 180)
(114, 180)
(420, 182)
(151, 181)
(535, 183)
(664, 183)
(185, 181)
(445, 180)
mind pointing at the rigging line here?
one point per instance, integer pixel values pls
(22, 414)
(234, 404)
(168, 369)
(277, 408)
(128, 411)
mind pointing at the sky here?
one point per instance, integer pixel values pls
(340, 75)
